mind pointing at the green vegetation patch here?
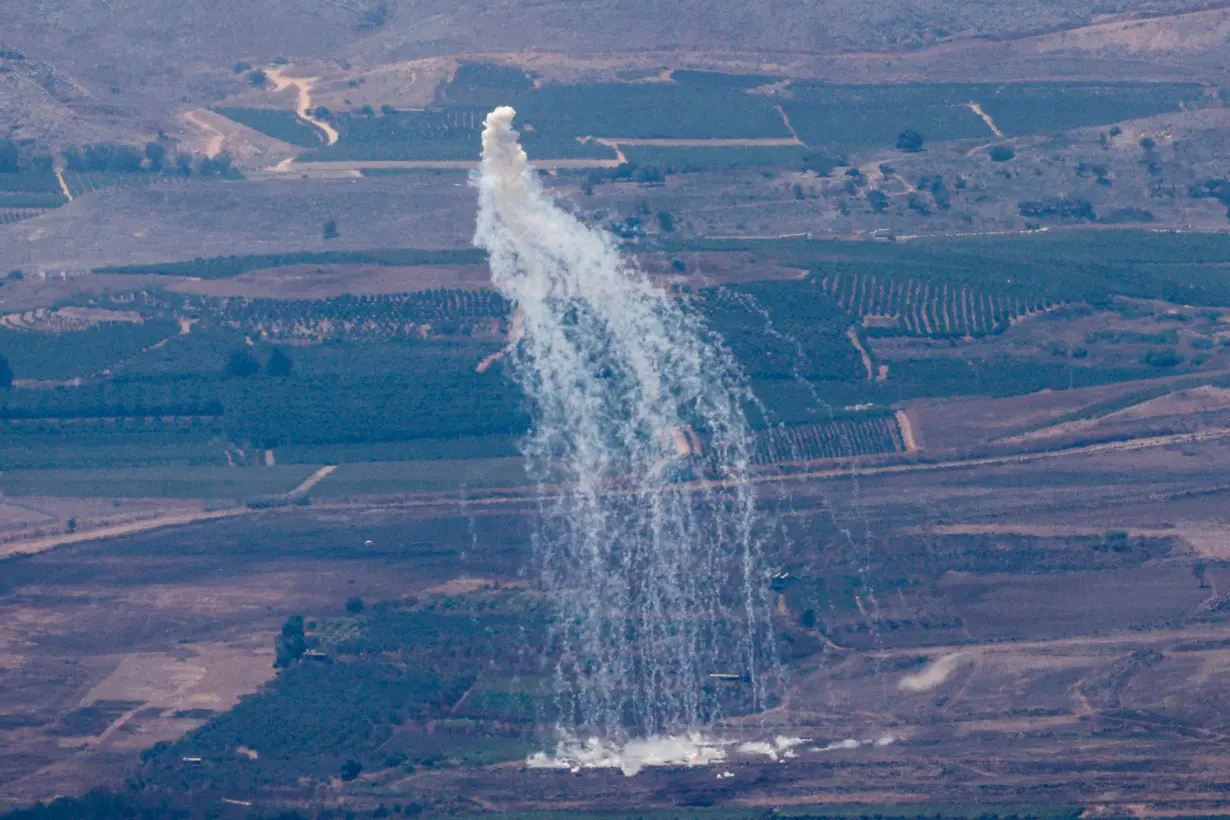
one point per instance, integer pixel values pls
(29, 182)
(650, 111)
(449, 135)
(224, 267)
(219, 482)
(38, 355)
(359, 705)
(1019, 109)
(683, 160)
(397, 477)
(282, 125)
(22, 199)
(852, 118)
(57, 446)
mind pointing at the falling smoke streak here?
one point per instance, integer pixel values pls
(658, 585)
(855, 505)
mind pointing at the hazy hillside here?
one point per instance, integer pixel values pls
(78, 71)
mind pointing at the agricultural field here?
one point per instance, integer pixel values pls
(31, 199)
(433, 135)
(286, 126)
(392, 617)
(1020, 109)
(223, 267)
(683, 160)
(32, 182)
(84, 182)
(852, 119)
(54, 354)
(206, 482)
(839, 119)
(396, 377)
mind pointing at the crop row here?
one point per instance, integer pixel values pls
(369, 316)
(10, 215)
(841, 438)
(927, 309)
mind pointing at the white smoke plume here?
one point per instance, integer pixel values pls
(654, 578)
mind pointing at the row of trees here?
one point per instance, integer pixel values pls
(12, 160)
(154, 157)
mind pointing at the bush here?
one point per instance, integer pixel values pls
(1161, 357)
(1001, 153)
(910, 141)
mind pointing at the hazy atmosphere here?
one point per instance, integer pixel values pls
(623, 409)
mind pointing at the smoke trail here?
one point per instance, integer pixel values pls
(655, 583)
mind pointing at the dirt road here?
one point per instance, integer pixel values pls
(49, 542)
(304, 107)
(311, 481)
(213, 145)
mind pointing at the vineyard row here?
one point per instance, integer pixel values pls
(924, 309)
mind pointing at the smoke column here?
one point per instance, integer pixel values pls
(654, 579)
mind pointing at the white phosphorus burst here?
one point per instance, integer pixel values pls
(646, 550)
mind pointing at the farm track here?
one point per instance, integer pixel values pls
(303, 85)
(213, 146)
(14, 549)
(524, 495)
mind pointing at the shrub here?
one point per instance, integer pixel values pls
(910, 141)
(1161, 357)
(1001, 153)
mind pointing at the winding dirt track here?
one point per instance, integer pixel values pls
(304, 86)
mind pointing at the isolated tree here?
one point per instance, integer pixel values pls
(258, 78)
(6, 374)
(1199, 571)
(291, 643)
(9, 158)
(156, 153)
(280, 364)
(350, 770)
(218, 166)
(910, 141)
(242, 364)
(330, 229)
(322, 113)
(354, 605)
